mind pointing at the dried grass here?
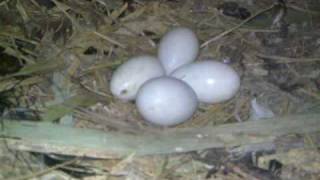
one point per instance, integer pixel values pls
(60, 74)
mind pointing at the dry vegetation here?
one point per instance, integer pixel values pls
(57, 57)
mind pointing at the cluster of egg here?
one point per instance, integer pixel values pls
(167, 89)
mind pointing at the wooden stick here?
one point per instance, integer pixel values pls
(53, 138)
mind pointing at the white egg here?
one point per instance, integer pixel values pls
(129, 77)
(166, 101)
(178, 47)
(212, 81)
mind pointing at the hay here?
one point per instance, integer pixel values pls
(67, 50)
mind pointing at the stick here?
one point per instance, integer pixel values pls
(53, 138)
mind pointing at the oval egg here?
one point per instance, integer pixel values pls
(212, 81)
(128, 78)
(178, 47)
(166, 101)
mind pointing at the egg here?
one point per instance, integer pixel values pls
(212, 81)
(178, 47)
(166, 101)
(128, 78)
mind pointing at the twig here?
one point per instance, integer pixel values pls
(235, 27)
(33, 175)
(287, 59)
(109, 39)
(297, 8)
(62, 7)
(20, 38)
(4, 2)
(312, 94)
(108, 121)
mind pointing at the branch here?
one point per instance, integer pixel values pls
(52, 138)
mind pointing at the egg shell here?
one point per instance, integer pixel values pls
(178, 47)
(166, 101)
(128, 78)
(212, 81)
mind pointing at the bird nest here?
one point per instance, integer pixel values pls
(56, 62)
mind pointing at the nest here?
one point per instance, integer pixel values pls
(56, 62)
